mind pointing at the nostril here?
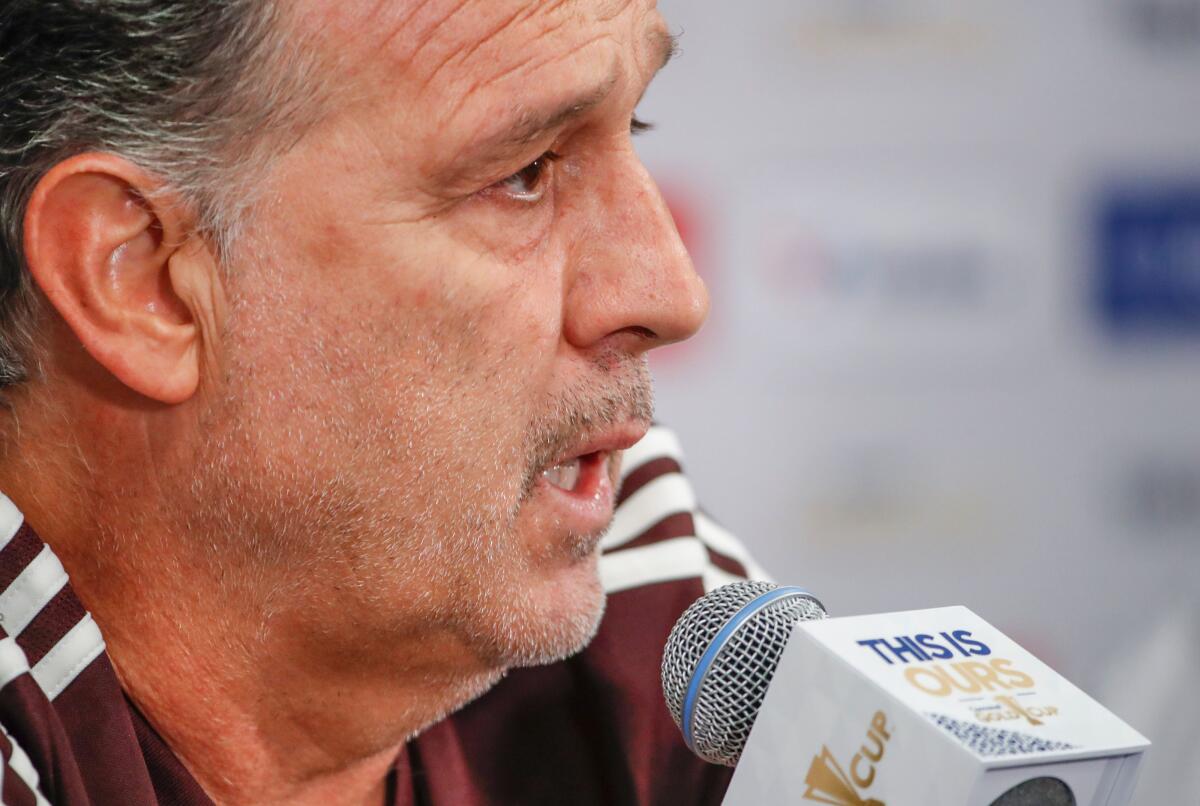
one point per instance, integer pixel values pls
(638, 330)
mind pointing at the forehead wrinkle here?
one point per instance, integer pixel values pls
(359, 37)
(429, 35)
(613, 10)
(529, 65)
(412, 12)
(519, 16)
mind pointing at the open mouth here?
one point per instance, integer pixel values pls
(580, 475)
(578, 492)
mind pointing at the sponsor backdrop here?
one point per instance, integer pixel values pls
(954, 355)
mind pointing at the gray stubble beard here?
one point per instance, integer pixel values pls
(246, 503)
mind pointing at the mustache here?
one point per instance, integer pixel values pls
(623, 394)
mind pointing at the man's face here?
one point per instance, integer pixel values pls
(447, 290)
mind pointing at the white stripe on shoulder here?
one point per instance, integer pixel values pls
(722, 541)
(668, 494)
(13, 662)
(61, 665)
(659, 442)
(680, 558)
(10, 520)
(20, 764)
(668, 561)
(716, 577)
(36, 585)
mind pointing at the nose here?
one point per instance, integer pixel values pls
(632, 273)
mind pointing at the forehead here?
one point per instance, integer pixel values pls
(442, 55)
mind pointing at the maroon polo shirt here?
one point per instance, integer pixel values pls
(589, 730)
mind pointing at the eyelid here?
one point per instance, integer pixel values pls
(636, 126)
(546, 159)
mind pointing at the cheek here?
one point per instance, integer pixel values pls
(510, 293)
(508, 232)
(408, 312)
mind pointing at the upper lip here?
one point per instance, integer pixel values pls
(615, 438)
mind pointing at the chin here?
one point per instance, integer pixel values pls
(579, 602)
(533, 624)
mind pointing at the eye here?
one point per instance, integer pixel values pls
(529, 184)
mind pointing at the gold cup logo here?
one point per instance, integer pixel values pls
(828, 783)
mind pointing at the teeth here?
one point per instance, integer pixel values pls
(564, 476)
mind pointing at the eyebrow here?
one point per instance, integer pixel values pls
(531, 124)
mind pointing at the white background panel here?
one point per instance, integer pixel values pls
(906, 396)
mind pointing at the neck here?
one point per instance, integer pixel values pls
(266, 697)
(270, 718)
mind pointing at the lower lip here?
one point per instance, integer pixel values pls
(589, 507)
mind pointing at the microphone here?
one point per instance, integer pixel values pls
(930, 707)
(720, 658)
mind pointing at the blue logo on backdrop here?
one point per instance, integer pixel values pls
(1149, 260)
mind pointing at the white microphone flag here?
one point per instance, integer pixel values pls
(927, 708)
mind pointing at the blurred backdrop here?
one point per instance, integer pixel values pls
(954, 354)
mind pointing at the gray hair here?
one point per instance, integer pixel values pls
(195, 91)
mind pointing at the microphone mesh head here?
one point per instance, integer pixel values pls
(728, 671)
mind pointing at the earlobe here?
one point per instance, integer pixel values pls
(101, 246)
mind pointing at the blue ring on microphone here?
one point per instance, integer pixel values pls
(718, 643)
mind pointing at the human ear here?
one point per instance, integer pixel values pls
(109, 255)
